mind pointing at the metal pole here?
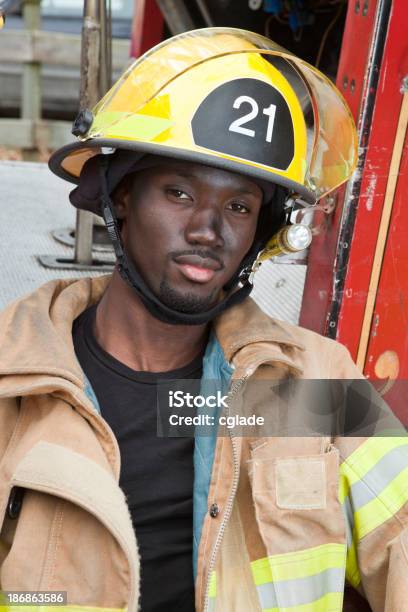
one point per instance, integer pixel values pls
(176, 15)
(104, 77)
(31, 82)
(89, 95)
(205, 13)
(91, 88)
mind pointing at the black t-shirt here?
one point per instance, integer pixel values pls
(156, 473)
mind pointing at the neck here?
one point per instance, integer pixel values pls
(125, 329)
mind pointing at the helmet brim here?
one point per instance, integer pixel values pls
(68, 161)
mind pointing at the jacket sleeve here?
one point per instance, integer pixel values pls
(373, 490)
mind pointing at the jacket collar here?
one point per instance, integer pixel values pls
(246, 324)
(36, 331)
(250, 338)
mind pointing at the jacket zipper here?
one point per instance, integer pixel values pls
(228, 506)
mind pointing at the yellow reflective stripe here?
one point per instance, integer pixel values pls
(364, 458)
(212, 590)
(212, 602)
(140, 127)
(344, 487)
(332, 602)
(352, 569)
(373, 483)
(383, 506)
(301, 591)
(300, 564)
(104, 119)
(60, 608)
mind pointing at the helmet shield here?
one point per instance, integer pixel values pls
(232, 99)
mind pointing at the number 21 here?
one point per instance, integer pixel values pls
(236, 126)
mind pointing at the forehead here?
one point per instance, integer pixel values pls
(201, 175)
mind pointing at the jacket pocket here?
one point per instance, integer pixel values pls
(296, 500)
(300, 521)
(74, 532)
(301, 483)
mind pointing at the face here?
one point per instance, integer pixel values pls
(187, 227)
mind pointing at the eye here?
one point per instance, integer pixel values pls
(240, 208)
(178, 194)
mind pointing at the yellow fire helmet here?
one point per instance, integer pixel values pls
(222, 97)
(227, 98)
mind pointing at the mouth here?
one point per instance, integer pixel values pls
(196, 268)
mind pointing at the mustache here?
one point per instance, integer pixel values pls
(204, 253)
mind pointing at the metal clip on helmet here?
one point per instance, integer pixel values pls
(226, 98)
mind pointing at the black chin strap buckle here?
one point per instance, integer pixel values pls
(112, 227)
(246, 276)
(108, 211)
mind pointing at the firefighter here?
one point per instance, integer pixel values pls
(195, 159)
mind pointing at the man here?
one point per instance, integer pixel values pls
(192, 158)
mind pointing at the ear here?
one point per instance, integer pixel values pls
(121, 199)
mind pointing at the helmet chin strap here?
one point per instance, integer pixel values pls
(153, 304)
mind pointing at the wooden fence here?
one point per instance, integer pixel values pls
(31, 48)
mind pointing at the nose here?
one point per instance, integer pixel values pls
(204, 227)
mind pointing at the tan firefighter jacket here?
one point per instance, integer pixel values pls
(288, 520)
